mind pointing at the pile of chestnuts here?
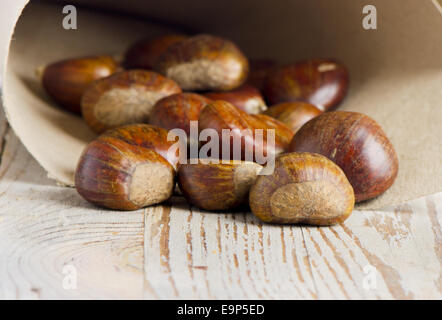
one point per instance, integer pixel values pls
(324, 160)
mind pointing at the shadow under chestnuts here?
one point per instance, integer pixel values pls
(316, 163)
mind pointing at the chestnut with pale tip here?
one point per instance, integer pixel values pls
(221, 115)
(116, 175)
(357, 144)
(217, 186)
(124, 98)
(293, 114)
(65, 81)
(204, 62)
(246, 98)
(144, 53)
(305, 188)
(321, 82)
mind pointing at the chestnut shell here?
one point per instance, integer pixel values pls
(204, 62)
(143, 89)
(293, 114)
(304, 188)
(145, 136)
(357, 144)
(220, 186)
(65, 81)
(108, 175)
(321, 82)
(246, 98)
(145, 53)
(220, 115)
(177, 110)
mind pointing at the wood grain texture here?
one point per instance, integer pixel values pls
(44, 227)
(179, 252)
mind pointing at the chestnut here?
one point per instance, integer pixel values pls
(177, 110)
(293, 114)
(147, 137)
(357, 144)
(282, 132)
(217, 186)
(204, 62)
(304, 188)
(114, 174)
(65, 81)
(123, 98)
(221, 115)
(321, 82)
(246, 98)
(144, 53)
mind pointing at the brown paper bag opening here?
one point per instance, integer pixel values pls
(396, 69)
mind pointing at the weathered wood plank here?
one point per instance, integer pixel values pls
(193, 254)
(174, 251)
(44, 227)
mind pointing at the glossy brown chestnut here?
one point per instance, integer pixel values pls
(320, 82)
(282, 132)
(220, 115)
(177, 110)
(204, 62)
(124, 98)
(114, 174)
(246, 98)
(147, 137)
(293, 114)
(304, 188)
(144, 53)
(357, 144)
(220, 186)
(65, 81)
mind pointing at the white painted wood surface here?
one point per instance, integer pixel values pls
(177, 252)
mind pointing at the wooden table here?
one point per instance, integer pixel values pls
(53, 244)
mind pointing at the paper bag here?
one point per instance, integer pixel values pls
(396, 69)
